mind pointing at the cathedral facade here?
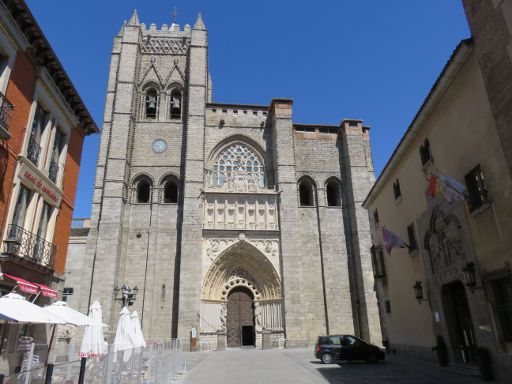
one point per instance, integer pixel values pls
(223, 222)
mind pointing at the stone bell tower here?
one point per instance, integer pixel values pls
(152, 140)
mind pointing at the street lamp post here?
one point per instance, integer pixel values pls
(128, 295)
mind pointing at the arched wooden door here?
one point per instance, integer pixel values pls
(240, 318)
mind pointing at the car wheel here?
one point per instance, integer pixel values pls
(372, 358)
(327, 358)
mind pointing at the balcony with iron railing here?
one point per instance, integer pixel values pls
(28, 246)
(6, 109)
(53, 171)
(33, 151)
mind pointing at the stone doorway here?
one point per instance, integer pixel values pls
(459, 323)
(240, 318)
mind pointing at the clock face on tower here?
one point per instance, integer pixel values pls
(159, 146)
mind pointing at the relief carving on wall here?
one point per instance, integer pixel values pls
(214, 247)
(223, 315)
(165, 45)
(243, 212)
(443, 241)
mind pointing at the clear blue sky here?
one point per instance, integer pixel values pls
(369, 59)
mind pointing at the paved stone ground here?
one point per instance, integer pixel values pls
(252, 366)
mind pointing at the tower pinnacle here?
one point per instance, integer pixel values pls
(134, 20)
(199, 25)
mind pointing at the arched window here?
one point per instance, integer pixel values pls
(143, 191)
(176, 104)
(332, 189)
(306, 194)
(238, 164)
(170, 191)
(151, 103)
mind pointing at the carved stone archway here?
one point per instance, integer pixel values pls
(241, 267)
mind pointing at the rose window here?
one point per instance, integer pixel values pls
(238, 163)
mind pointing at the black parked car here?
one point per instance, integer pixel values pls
(346, 347)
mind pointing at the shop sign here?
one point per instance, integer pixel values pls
(34, 181)
(25, 343)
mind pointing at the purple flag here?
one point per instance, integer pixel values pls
(391, 240)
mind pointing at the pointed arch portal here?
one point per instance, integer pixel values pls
(241, 295)
(242, 264)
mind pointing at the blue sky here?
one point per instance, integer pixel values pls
(369, 59)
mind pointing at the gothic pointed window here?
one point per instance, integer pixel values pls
(239, 166)
(151, 103)
(176, 104)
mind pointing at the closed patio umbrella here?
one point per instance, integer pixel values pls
(93, 343)
(138, 338)
(124, 334)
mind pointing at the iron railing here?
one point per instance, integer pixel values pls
(53, 172)
(162, 362)
(34, 149)
(6, 109)
(23, 243)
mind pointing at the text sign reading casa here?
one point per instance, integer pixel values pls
(33, 180)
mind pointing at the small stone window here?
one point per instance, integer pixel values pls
(376, 217)
(379, 269)
(151, 103)
(143, 191)
(176, 104)
(413, 244)
(425, 154)
(396, 190)
(171, 192)
(306, 194)
(333, 193)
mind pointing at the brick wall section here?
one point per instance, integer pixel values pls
(491, 27)
(69, 184)
(20, 91)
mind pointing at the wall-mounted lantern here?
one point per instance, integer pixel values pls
(418, 291)
(469, 273)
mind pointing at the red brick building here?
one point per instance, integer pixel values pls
(43, 123)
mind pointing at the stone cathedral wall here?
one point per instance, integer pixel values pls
(317, 155)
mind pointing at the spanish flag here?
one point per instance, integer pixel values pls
(435, 186)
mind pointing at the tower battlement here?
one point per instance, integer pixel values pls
(165, 28)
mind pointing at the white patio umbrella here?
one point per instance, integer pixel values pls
(124, 334)
(138, 338)
(93, 343)
(71, 316)
(14, 307)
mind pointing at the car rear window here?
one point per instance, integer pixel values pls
(323, 340)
